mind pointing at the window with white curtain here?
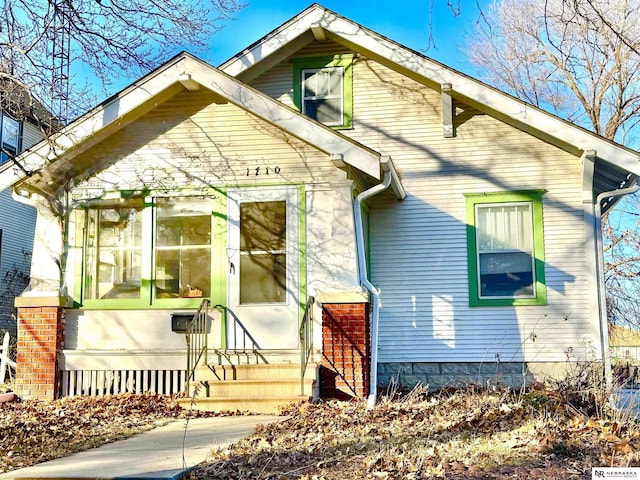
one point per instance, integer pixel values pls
(505, 248)
(504, 238)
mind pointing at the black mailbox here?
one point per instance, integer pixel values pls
(180, 322)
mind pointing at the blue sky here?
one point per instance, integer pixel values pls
(405, 21)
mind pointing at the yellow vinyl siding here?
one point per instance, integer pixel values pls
(191, 141)
(418, 246)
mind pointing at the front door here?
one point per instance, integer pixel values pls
(264, 259)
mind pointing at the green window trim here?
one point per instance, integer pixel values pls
(533, 197)
(302, 243)
(346, 62)
(147, 299)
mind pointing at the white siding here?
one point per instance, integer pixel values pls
(30, 135)
(191, 142)
(17, 222)
(418, 247)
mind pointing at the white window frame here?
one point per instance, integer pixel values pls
(9, 143)
(497, 251)
(310, 98)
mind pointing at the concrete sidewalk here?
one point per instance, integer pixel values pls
(154, 454)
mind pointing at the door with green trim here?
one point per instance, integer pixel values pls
(264, 267)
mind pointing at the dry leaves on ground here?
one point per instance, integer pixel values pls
(455, 435)
(32, 432)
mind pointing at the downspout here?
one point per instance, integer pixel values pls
(602, 300)
(364, 281)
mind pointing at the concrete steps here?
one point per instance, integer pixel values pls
(282, 371)
(258, 388)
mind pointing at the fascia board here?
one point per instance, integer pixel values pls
(391, 53)
(286, 34)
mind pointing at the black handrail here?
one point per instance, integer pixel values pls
(306, 340)
(248, 345)
(197, 339)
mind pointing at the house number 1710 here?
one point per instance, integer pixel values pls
(262, 171)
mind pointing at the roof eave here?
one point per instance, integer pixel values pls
(134, 101)
(388, 52)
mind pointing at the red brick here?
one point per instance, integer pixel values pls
(345, 335)
(40, 338)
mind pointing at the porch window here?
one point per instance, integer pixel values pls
(323, 89)
(505, 249)
(114, 251)
(141, 252)
(183, 251)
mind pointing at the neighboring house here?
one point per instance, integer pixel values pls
(17, 221)
(444, 230)
(624, 344)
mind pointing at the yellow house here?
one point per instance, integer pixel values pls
(328, 206)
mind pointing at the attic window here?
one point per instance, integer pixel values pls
(323, 89)
(322, 94)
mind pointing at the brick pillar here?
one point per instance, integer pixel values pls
(346, 350)
(40, 341)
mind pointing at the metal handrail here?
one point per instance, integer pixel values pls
(197, 339)
(306, 340)
(248, 345)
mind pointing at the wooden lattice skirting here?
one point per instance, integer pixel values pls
(111, 382)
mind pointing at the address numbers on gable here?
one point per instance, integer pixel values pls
(257, 171)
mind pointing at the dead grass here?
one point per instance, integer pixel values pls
(544, 433)
(466, 434)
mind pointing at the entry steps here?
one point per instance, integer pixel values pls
(255, 388)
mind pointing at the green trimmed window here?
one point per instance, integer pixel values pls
(505, 248)
(183, 248)
(323, 89)
(114, 251)
(135, 252)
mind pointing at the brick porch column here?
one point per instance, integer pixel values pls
(346, 350)
(40, 342)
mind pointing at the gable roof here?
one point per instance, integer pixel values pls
(615, 165)
(49, 161)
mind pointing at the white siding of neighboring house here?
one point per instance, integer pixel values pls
(30, 135)
(418, 246)
(17, 222)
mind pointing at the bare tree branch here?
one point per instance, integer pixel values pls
(580, 60)
(110, 39)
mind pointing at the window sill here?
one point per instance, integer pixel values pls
(508, 302)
